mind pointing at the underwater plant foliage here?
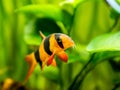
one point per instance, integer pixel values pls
(94, 26)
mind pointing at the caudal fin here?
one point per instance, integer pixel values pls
(32, 63)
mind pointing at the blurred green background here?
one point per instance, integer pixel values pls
(94, 25)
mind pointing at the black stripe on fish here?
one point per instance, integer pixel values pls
(58, 39)
(47, 45)
(37, 57)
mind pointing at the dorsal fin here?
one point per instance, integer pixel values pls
(42, 35)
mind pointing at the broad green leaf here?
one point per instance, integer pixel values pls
(94, 60)
(31, 36)
(68, 6)
(52, 73)
(71, 3)
(49, 11)
(32, 28)
(49, 72)
(73, 57)
(92, 18)
(77, 54)
(33, 40)
(118, 1)
(101, 56)
(107, 42)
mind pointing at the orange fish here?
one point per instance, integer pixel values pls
(54, 44)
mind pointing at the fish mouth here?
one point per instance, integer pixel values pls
(72, 45)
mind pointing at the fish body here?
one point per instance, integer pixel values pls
(52, 45)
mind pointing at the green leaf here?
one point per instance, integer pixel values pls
(33, 40)
(118, 1)
(101, 56)
(95, 59)
(77, 54)
(50, 11)
(106, 42)
(32, 28)
(73, 57)
(49, 72)
(71, 3)
(52, 73)
(91, 22)
(31, 36)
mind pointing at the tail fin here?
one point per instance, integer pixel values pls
(42, 35)
(32, 63)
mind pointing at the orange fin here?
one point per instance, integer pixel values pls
(63, 56)
(43, 64)
(53, 63)
(50, 59)
(42, 35)
(32, 63)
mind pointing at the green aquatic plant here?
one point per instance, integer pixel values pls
(92, 24)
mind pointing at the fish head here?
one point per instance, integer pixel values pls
(60, 42)
(67, 41)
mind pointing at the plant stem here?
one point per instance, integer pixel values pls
(81, 75)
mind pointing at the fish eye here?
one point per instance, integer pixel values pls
(59, 39)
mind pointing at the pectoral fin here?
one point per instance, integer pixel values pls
(50, 62)
(63, 56)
